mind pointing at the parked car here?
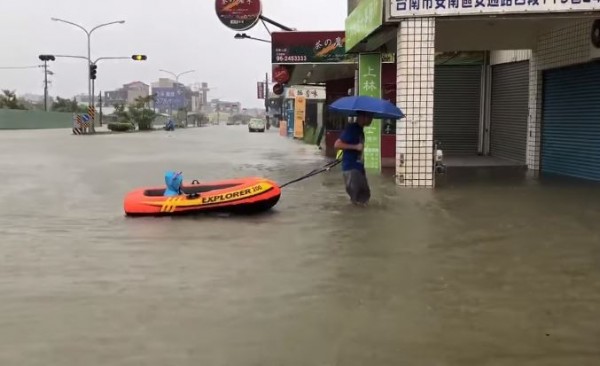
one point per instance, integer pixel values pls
(256, 125)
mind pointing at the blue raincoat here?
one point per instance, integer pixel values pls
(173, 180)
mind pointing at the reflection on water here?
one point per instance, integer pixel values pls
(486, 269)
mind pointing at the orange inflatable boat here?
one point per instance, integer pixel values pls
(246, 195)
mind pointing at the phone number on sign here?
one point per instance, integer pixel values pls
(284, 58)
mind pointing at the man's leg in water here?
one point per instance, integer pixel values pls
(357, 186)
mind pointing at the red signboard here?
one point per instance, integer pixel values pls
(260, 90)
(278, 89)
(281, 74)
(239, 15)
(308, 47)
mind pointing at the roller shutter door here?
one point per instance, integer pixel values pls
(509, 111)
(457, 99)
(571, 121)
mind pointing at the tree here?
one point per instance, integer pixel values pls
(140, 114)
(68, 106)
(121, 114)
(9, 100)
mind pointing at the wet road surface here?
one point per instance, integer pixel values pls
(481, 272)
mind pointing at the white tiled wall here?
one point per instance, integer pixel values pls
(415, 76)
(561, 46)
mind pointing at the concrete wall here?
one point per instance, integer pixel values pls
(563, 45)
(17, 120)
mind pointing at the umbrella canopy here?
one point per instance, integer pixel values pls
(380, 108)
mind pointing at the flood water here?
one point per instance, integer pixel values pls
(481, 271)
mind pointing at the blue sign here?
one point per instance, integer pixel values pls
(85, 117)
(169, 98)
(290, 123)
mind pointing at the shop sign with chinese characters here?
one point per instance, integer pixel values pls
(238, 15)
(308, 47)
(369, 80)
(364, 20)
(310, 93)
(412, 8)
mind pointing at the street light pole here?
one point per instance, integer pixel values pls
(177, 76)
(245, 36)
(89, 47)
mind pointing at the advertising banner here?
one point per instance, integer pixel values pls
(290, 123)
(239, 15)
(169, 98)
(369, 84)
(260, 90)
(364, 20)
(428, 8)
(299, 116)
(309, 92)
(308, 47)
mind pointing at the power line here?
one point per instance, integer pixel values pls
(19, 67)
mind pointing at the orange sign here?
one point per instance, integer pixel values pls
(299, 116)
(282, 128)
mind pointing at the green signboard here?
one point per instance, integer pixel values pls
(369, 84)
(364, 20)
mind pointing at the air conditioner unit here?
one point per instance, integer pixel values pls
(595, 40)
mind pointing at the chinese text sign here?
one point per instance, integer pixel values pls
(369, 84)
(299, 116)
(409, 8)
(366, 18)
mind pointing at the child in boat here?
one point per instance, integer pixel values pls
(173, 180)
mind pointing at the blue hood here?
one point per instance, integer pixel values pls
(173, 180)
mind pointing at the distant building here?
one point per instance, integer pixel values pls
(217, 105)
(170, 96)
(82, 98)
(127, 94)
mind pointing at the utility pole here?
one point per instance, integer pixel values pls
(46, 58)
(267, 95)
(100, 109)
(46, 85)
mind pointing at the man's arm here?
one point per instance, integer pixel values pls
(339, 144)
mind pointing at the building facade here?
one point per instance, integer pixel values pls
(127, 94)
(529, 101)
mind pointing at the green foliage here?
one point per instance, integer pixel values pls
(120, 126)
(120, 113)
(141, 115)
(67, 105)
(137, 114)
(9, 100)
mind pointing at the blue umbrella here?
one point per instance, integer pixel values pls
(380, 108)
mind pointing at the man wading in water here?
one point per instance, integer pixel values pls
(352, 141)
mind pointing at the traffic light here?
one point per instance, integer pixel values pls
(93, 68)
(47, 58)
(139, 57)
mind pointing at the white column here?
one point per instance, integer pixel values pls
(415, 80)
(535, 111)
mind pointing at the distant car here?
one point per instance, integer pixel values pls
(230, 123)
(256, 125)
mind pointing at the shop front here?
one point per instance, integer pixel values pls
(507, 111)
(318, 60)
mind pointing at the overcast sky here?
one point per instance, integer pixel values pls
(177, 35)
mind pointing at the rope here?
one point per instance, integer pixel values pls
(313, 173)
